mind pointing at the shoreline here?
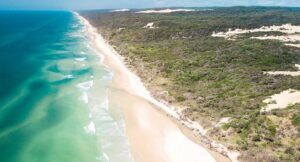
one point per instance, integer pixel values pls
(136, 87)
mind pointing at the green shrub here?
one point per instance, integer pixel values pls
(181, 99)
(296, 120)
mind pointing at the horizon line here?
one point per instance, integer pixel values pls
(140, 8)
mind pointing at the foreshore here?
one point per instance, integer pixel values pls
(152, 135)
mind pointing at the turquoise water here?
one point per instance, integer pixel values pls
(53, 93)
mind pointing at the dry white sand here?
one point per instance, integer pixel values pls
(166, 11)
(153, 136)
(293, 45)
(121, 10)
(120, 29)
(291, 73)
(286, 28)
(282, 38)
(281, 100)
(223, 121)
(150, 26)
(292, 37)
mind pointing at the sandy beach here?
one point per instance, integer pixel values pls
(152, 135)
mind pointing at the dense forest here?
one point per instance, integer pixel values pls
(211, 78)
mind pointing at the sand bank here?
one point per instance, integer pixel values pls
(281, 100)
(152, 135)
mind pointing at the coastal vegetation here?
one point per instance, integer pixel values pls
(211, 78)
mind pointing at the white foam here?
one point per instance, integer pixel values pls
(105, 103)
(80, 59)
(70, 76)
(110, 134)
(75, 25)
(74, 35)
(85, 86)
(105, 156)
(90, 128)
(85, 97)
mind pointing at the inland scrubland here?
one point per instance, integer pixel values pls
(187, 60)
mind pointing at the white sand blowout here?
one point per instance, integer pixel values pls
(282, 100)
(291, 34)
(164, 11)
(291, 73)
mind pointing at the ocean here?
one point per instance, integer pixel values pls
(54, 104)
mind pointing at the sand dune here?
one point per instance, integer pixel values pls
(282, 100)
(166, 11)
(120, 10)
(291, 37)
(291, 73)
(150, 26)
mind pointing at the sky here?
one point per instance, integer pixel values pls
(114, 4)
